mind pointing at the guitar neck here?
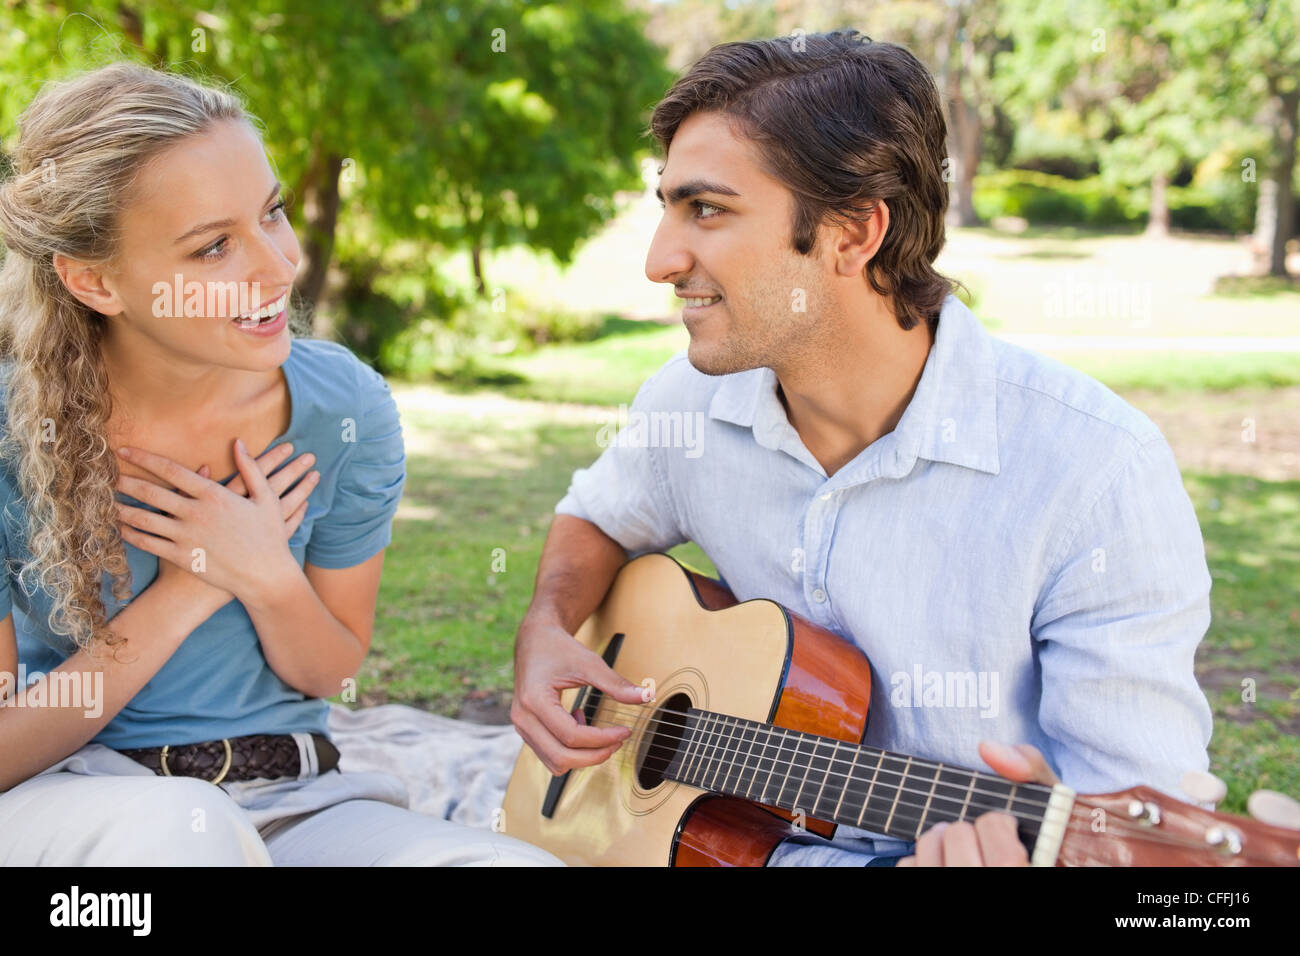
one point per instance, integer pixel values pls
(845, 783)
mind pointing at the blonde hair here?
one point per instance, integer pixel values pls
(81, 144)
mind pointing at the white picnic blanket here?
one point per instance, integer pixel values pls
(453, 769)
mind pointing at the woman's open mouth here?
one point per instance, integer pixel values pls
(267, 320)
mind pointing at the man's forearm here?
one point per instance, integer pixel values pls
(579, 562)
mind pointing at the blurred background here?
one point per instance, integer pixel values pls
(473, 189)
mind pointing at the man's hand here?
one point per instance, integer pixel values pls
(547, 661)
(991, 840)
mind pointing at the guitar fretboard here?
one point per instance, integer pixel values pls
(846, 783)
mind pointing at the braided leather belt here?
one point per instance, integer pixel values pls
(235, 758)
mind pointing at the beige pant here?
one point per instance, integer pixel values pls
(101, 808)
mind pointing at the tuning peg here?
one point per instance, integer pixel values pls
(1269, 806)
(1203, 787)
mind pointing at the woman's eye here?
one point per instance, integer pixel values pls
(218, 249)
(214, 251)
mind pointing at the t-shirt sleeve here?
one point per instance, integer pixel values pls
(359, 523)
(624, 492)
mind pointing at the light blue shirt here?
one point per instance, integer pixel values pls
(1018, 558)
(218, 683)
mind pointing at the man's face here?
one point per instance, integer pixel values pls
(725, 237)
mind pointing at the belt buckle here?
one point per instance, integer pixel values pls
(221, 776)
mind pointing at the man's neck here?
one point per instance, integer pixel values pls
(849, 395)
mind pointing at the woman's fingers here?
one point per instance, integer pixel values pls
(290, 503)
(295, 520)
(268, 463)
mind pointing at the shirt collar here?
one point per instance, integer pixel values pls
(952, 416)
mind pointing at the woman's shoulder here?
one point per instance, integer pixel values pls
(332, 376)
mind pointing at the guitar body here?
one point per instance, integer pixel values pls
(700, 647)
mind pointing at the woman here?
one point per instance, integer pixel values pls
(144, 325)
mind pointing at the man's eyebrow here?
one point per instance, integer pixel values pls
(224, 223)
(693, 188)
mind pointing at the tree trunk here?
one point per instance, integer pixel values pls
(1286, 108)
(476, 256)
(320, 209)
(964, 131)
(1158, 209)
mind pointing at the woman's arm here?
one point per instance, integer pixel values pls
(154, 624)
(315, 623)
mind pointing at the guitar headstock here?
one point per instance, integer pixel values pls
(1144, 827)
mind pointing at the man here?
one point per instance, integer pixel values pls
(873, 460)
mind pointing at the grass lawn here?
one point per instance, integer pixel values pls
(486, 469)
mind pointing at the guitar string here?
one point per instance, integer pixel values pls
(1083, 814)
(1044, 790)
(1141, 830)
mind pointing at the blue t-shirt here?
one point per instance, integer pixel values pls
(218, 683)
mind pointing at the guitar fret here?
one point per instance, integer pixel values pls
(794, 762)
(830, 768)
(894, 807)
(744, 752)
(866, 801)
(697, 757)
(718, 744)
(724, 764)
(848, 778)
(920, 824)
(713, 755)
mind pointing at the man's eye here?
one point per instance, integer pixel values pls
(701, 206)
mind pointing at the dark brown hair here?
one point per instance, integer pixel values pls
(841, 121)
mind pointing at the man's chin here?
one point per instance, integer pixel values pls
(713, 360)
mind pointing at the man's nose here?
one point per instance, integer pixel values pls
(668, 257)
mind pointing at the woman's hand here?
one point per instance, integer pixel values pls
(240, 540)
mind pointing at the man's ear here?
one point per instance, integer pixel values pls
(858, 242)
(86, 282)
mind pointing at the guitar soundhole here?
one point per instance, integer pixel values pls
(667, 727)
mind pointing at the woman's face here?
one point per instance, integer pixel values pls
(204, 242)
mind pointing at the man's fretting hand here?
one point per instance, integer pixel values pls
(991, 840)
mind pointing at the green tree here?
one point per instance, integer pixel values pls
(473, 125)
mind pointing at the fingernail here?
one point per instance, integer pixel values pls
(239, 443)
(124, 452)
(309, 459)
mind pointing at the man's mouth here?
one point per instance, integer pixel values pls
(696, 302)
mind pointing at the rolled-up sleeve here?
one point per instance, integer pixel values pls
(359, 523)
(625, 491)
(1117, 629)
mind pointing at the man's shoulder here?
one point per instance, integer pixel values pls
(1041, 396)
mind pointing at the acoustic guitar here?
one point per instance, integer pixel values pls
(755, 733)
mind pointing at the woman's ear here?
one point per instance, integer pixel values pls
(86, 283)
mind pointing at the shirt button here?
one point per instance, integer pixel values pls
(826, 497)
(819, 596)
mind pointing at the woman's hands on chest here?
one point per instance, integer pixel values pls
(234, 543)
